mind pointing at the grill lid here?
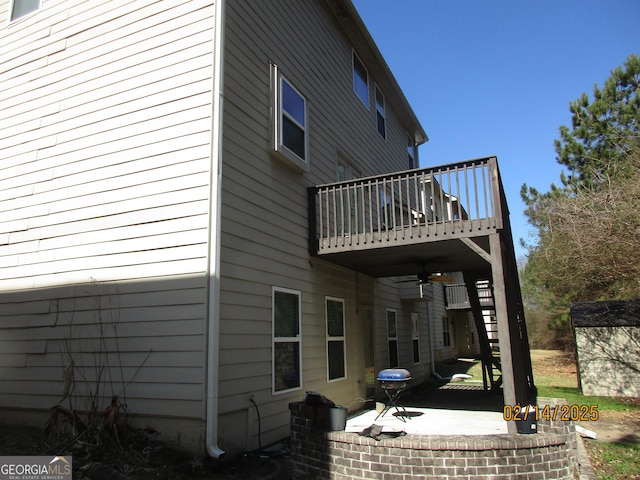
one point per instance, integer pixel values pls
(394, 374)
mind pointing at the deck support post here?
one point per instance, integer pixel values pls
(504, 331)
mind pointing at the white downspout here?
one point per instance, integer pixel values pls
(213, 268)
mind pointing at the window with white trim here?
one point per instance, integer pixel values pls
(286, 361)
(21, 8)
(381, 116)
(336, 353)
(446, 334)
(392, 337)
(360, 80)
(290, 136)
(411, 153)
(415, 336)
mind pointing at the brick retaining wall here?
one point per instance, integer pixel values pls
(319, 454)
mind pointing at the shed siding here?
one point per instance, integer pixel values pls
(608, 360)
(264, 209)
(104, 189)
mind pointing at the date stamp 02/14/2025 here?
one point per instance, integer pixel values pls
(574, 413)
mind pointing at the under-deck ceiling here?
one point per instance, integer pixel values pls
(449, 255)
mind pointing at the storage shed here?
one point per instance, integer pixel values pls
(607, 336)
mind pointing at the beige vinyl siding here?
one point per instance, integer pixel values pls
(105, 119)
(264, 206)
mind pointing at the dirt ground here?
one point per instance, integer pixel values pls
(146, 459)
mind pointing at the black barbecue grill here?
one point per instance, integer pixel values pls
(394, 381)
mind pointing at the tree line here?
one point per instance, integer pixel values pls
(587, 227)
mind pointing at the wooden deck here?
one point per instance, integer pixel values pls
(450, 218)
(390, 224)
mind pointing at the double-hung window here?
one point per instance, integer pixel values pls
(446, 333)
(415, 336)
(380, 114)
(336, 368)
(286, 340)
(20, 8)
(411, 153)
(290, 136)
(360, 80)
(392, 336)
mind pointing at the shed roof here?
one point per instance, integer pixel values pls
(614, 313)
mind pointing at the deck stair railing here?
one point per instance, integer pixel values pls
(460, 199)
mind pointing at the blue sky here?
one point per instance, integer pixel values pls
(495, 77)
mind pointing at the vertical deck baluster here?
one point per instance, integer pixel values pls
(484, 191)
(460, 215)
(434, 205)
(466, 187)
(448, 217)
(424, 200)
(320, 218)
(417, 205)
(393, 209)
(379, 225)
(348, 238)
(458, 200)
(370, 209)
(400, 208)
(328, 219)
(475, 190)
(361, 225)
(335, 216)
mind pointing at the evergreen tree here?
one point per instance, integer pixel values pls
(588, 227)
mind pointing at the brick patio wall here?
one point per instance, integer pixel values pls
(319, 454)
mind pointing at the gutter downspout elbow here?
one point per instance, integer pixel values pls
(213, 268)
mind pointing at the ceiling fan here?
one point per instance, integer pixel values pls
(424, 278)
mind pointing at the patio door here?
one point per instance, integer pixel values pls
(369, 351)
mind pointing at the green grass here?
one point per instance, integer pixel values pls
(573, 397)
(610, 461)
(615, 461)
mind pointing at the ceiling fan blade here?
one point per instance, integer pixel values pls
(439, 277)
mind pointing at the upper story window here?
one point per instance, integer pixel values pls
(290, 131)
(411, 151)
(380, 114)
(20, 8)
(360, 80)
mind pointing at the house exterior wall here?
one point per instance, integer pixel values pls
(105, 132)
(105, 199)
(265, 214)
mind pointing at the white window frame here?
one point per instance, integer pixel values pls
(277, 122)
(412, 152)
(15, 19)
(381, 115)
(446, 332)
(275, 339)
(392, 336)
(415, 336)
(335, 338)
(356, 76)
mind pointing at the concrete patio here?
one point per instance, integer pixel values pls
(452, 409)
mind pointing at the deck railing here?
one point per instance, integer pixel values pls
(460, 199)
(457, 295)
